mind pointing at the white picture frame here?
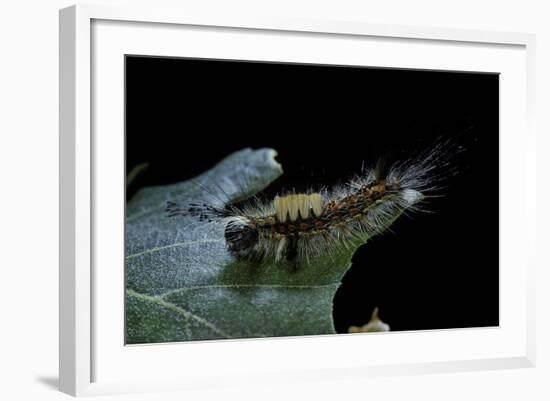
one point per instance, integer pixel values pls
(94, 360)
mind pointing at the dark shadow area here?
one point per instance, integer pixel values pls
(52, 382)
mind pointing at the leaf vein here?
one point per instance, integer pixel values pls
(176, 245)
(200, 287)
(179, 310)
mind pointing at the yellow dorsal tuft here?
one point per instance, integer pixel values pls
(316, 202)
(291, 207)
(303, 206)
(280, 208)
(294, 207)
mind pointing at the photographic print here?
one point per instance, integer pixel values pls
(271, 199)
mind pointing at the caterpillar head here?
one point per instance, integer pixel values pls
(241, 235)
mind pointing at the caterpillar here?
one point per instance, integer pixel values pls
(296, 228)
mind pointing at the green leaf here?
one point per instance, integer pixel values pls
(136, 173)
(182, 284)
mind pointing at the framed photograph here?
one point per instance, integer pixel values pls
(253, 199)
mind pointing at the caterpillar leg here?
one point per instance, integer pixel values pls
(291, 251)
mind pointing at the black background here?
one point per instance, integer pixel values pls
(435, 270)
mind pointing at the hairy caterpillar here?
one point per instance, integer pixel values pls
(296, 228)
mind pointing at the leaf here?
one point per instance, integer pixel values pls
(136, 173)
(182, 284)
